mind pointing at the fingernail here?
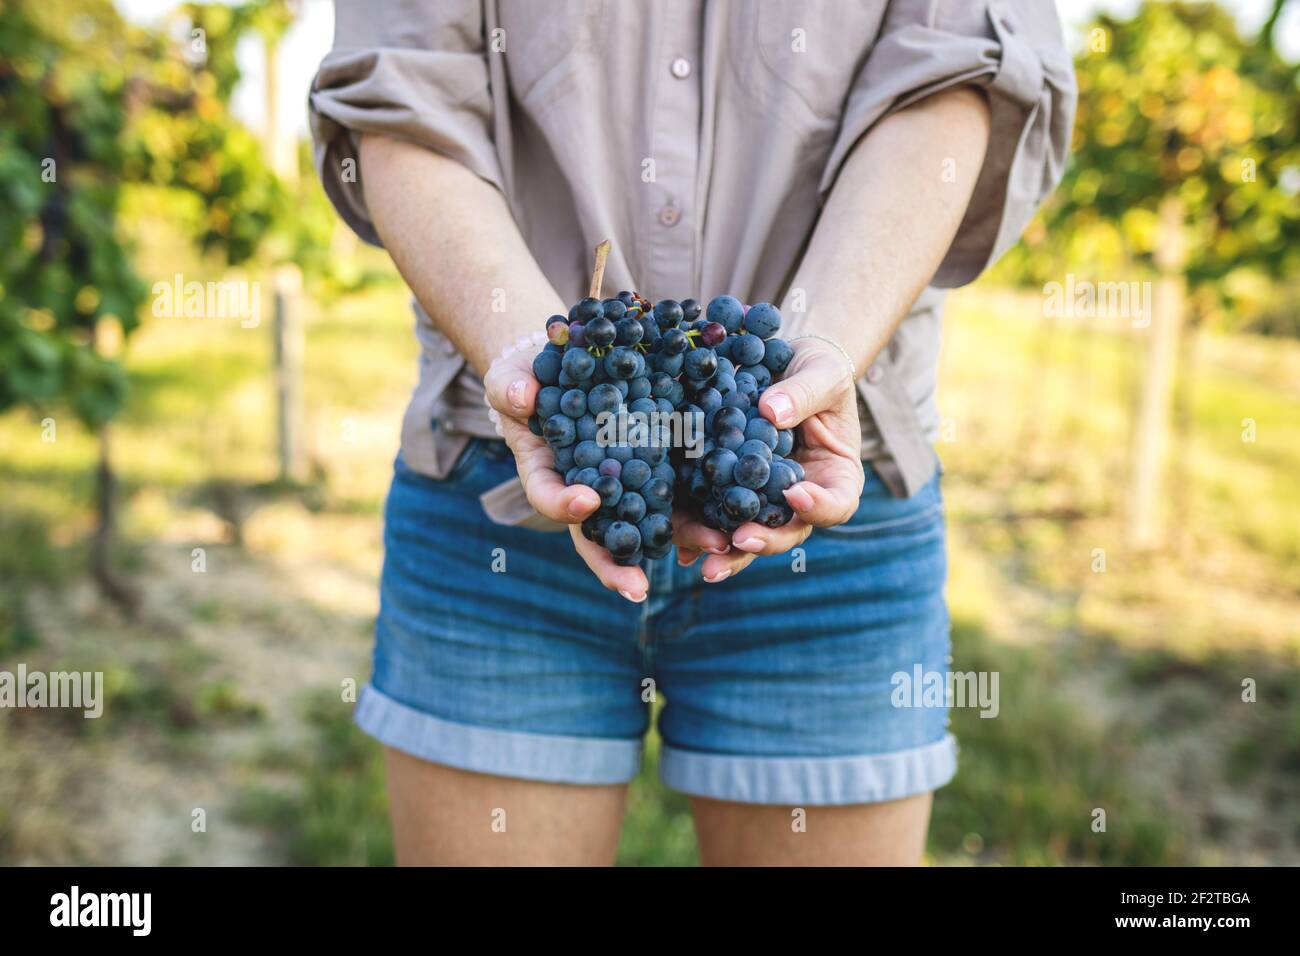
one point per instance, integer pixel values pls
(580, 505)
(687, 560)
(515, 394)
(720, 576)
(628, 595)
(797, 498)
(752, 545)
(726, 550)
(781, 407)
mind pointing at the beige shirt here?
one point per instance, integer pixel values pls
(705, 135)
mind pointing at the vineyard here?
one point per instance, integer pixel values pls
(201, 383)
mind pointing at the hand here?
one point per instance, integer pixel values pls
(816, 394)
(511, 392)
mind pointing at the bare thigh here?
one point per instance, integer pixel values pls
(447, 817)
(870, 834)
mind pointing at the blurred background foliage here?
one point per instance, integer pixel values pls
(228, 680)
(1176, 102)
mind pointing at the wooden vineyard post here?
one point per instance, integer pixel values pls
(287, 329)
(1151, 437)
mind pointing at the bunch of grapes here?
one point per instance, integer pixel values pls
(609, 357)
(651, 364)
(741, 470)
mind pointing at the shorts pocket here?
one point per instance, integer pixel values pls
(880, 514)
(473, 465)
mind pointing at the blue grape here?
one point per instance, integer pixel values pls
(761, 375)
(668, 314)
(674, 342)
(622, 539)
(762, 430)
(656, 530)
(746, 349)
(718, 466)
(740, 504)
(780, 477)
(635, 473)
(574, 403)
(727, 311)
(730, 437)
(578, 365)
(603, 398)
(726, 417)
(620, 363)
(638, 387)
(631, 507)
(587, 454)
(588, 427)
(559, 431)
(651, 454)
(700, 364)
(752, 471)
(774, 515)
(563, 458)
(609, 488)
(547, 367)
(658, 494)
(737, 399)
(763, 320)
(600, 332)
(585, 310)
(777, 354)
(548, 401)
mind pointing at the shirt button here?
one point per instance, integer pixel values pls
(669, 215)
(874, 374)
(681, 68)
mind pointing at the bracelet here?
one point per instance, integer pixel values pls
(853, 368)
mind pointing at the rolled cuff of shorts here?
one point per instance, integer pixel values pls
(505, 753)
(811, 781)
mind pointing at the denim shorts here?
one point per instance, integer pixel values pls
(498, 651)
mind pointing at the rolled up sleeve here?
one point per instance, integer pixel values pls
(1013, 49)
(412, 71)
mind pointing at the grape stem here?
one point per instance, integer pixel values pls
(598, 273)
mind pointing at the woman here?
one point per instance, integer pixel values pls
(846, 160)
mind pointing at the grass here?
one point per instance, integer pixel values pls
(1121, 689)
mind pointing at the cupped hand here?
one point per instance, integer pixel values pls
(818, 395)
(511, 392)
